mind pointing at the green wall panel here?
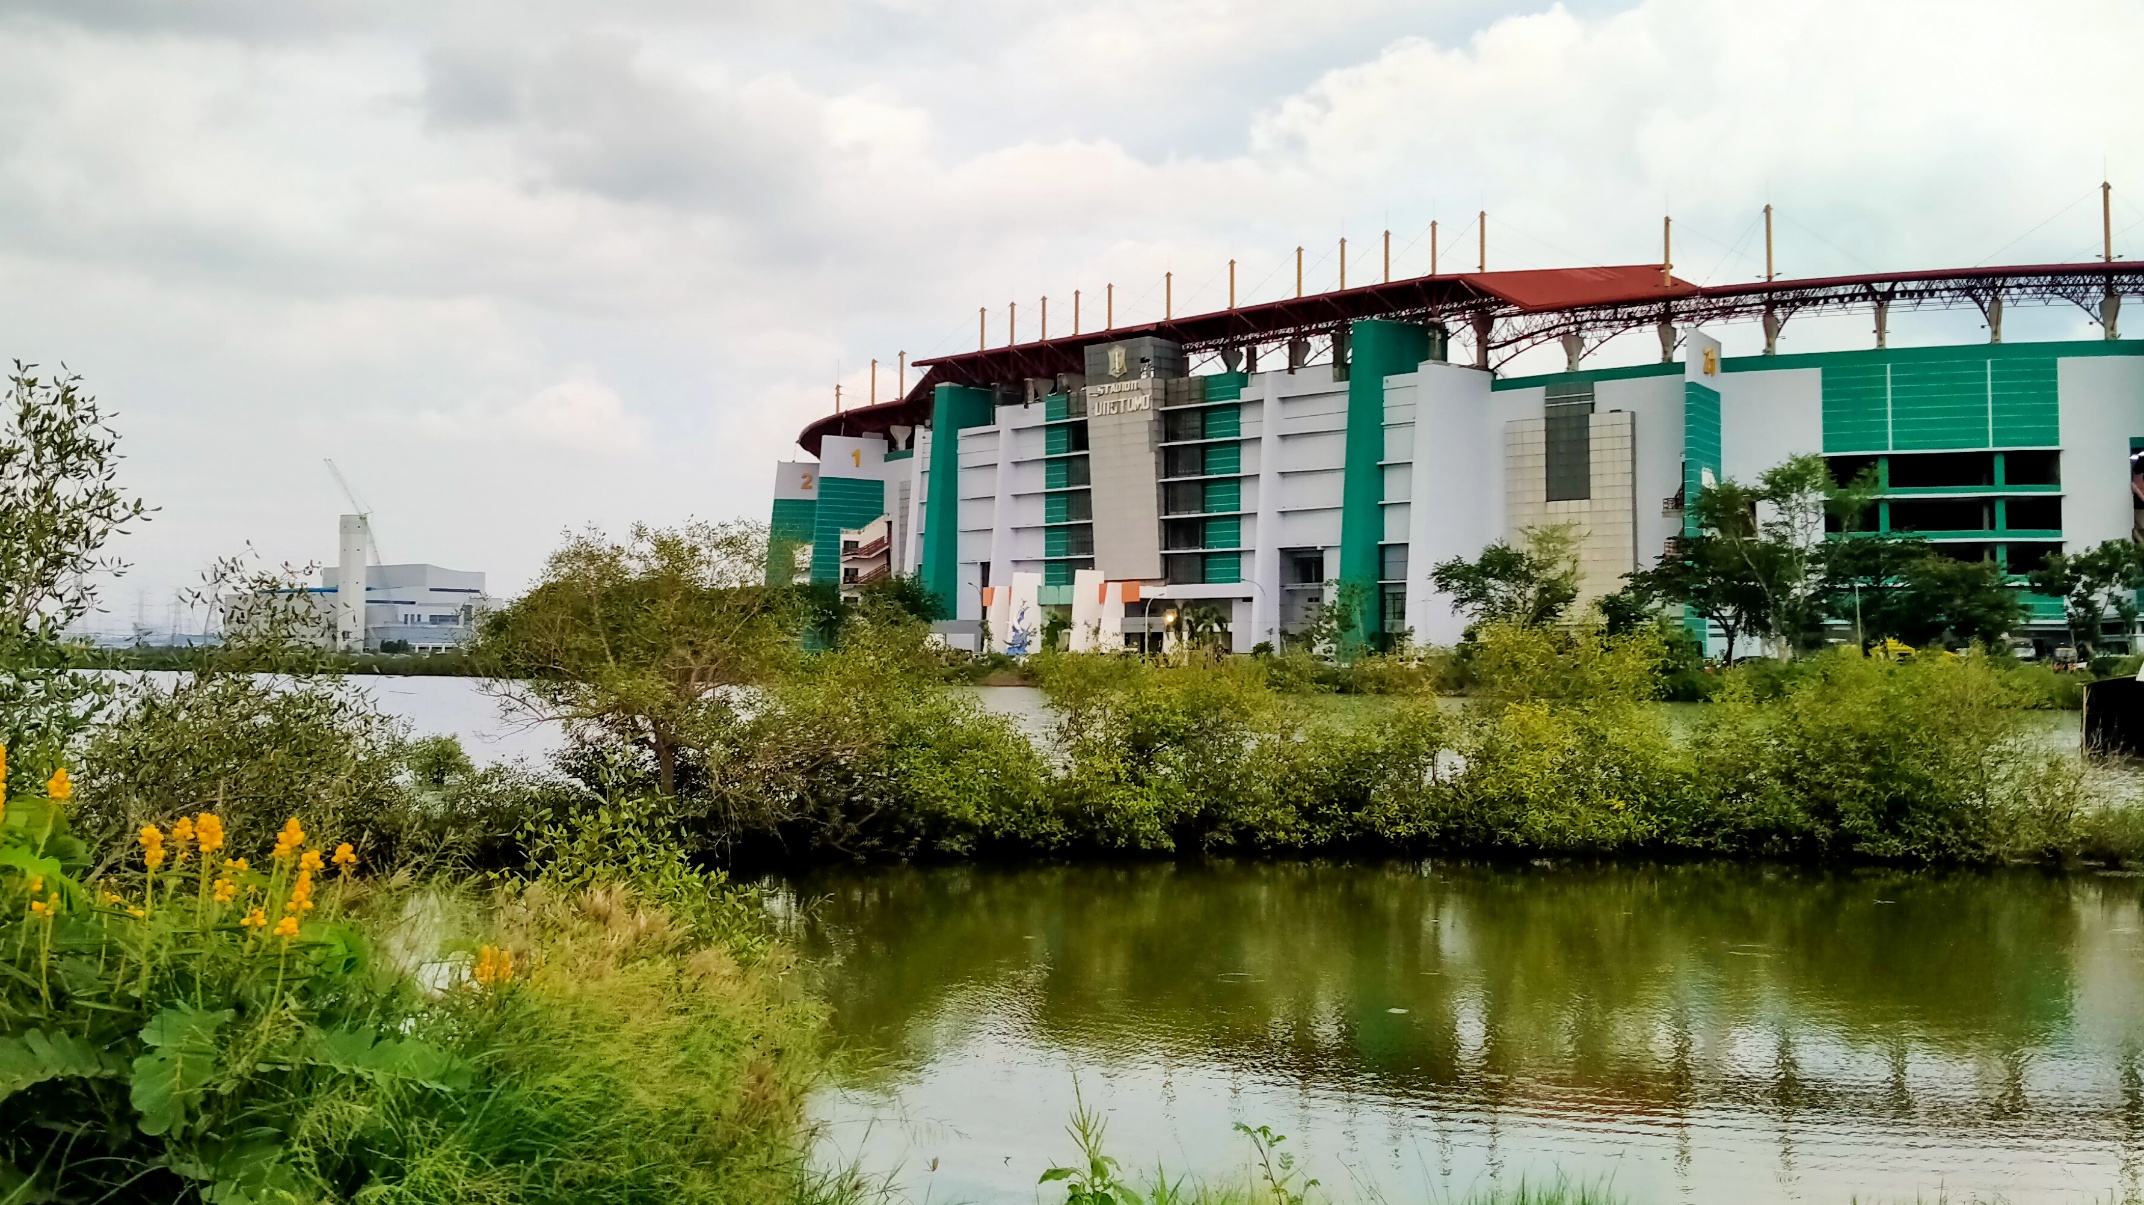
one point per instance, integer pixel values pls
(1224, 495)
(1226, 386)
(1224, 532)
(789, 526)
(1857, 407)
(2027, 404)
(1940, 404)
(1700, 445)
(1940, 398)
(845, 504)
(1224, 422)
(1224, 567)
(1380, 349)
(1221, 458)
(952, 407)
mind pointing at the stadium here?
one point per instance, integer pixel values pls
(1252, 461)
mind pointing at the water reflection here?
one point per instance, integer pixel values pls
(1686, 1030)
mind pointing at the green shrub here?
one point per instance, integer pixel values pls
(1925, 760)
(199, 1030)
(254, 749)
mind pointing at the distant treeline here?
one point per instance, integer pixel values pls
(456, 664)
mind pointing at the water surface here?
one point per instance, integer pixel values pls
(1690, 1033)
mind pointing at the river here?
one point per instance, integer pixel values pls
(1695, 1032)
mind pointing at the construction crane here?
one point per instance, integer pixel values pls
(364, 513)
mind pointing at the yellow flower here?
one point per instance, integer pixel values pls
(234, 864)
(137, 913)
(494, 966)
(287, 928)
(208, 829)
(288, 841)
(345, 857)
(152, 846)
(255, 919)
(37, 907)
(225, 890)
(111, 897)
(37, 883)
(311, 860)
(183, 830)
(58, 787)
(301, 893)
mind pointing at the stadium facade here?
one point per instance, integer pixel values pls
(1249, 463)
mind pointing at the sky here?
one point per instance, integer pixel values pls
(523, 267)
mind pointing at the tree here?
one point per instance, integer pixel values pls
(1776, 531)
(645, 641)
(1957, 602)
(60, 503)
(1758, 562)
(1867, 585)
(2090, 584)
(1530, 585)
(1714, 580)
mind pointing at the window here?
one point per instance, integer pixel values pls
(1184, 569)
(1182, 462)
(1845, 470)
(1306, 568)
(1065, 474)
(1183, 533)
(1937, 470)
(1569, 442)
(1183, 498)
(2033, 514)
(1183, 424)
(1943, 514)
(1064, 438)
(2024, 558)
(1392, 563)
(2032, 468)
(1075, 540)
(1392, 609)
(1075, 506)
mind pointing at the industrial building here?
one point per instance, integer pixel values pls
(1252, 460)
(414, 608)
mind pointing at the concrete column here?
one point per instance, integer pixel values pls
(1265, 553)
(356, 555)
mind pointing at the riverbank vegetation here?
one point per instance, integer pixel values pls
(861, 750)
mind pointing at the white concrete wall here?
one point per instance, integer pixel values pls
(1457, 488)
(1765, 417)
(2102, 410)
(1655, 404)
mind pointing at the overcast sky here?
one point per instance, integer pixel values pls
(520, 266)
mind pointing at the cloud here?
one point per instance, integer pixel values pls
(582, 415)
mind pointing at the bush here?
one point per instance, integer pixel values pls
(255, 749)
(1925, 760)
(201, 1029)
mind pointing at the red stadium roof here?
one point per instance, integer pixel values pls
(1507, 311)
